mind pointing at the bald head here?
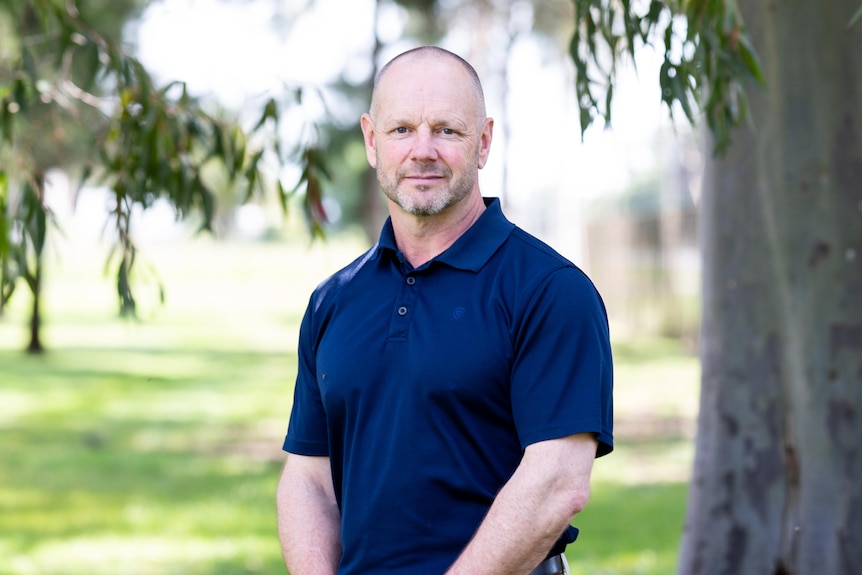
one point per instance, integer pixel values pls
(416, 57)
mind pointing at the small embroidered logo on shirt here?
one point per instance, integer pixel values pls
(458, 312)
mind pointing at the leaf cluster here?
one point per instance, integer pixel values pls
(707, 56)
(22, 242)
(147, 142)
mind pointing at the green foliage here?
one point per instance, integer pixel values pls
(707, 57)
(61, 76)
(153, 142)
(314, 173)
(29, 237)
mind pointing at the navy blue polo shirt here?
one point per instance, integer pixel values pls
(425, 385)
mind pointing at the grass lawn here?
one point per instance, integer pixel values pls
(153, 447)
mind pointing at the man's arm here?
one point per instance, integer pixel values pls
(549, 487)
(308, 516)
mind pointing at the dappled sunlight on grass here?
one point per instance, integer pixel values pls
(168, 467)
(148, 554)
(154, 447)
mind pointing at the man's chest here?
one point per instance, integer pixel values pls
(420, 341)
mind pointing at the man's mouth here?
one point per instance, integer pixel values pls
(423, 178)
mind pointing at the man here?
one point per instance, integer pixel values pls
(454, 383)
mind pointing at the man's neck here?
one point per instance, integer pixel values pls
(422, 238)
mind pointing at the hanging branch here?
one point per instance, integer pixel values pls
(155, 142)
(705, 61)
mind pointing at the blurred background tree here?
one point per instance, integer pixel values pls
(775, 487)
(41, 125)
(73, 97)
(776, 479)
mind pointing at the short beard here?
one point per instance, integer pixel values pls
(437, 205)
(439, 200)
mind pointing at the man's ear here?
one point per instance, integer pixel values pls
(485, 141)
(368, 136)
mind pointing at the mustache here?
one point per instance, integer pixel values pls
(424, 171)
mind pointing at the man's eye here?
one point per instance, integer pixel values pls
(448, 131)
(401, 130)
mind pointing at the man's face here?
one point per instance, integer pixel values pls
(427, 135)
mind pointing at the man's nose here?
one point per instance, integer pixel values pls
(424, 148)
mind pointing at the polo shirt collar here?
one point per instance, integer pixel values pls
(475, 246)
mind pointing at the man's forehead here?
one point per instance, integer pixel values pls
(431, 75)
(415, 87)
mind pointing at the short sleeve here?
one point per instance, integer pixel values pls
(562, 377)
(307, 431)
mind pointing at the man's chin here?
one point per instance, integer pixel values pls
(423, 209)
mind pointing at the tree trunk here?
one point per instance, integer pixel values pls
(777, 485)
(4, 272)
(35, 345)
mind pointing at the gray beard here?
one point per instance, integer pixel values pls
(422, 207)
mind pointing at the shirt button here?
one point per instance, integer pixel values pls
(411, 280)
(402, 310)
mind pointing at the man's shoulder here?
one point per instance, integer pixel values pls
(536, 256)
(533, 262)
(343, 277)
(535, 247)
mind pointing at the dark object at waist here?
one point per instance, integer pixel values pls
(550, 566)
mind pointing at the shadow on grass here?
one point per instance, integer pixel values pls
(165, 461)
(114, 505)
(140, 461)
(130, 364)
(67, 496)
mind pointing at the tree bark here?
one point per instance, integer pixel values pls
(776, 488)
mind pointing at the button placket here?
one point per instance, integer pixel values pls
(410, 281)
(407, 297)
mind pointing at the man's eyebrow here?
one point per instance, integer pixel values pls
(395, 121)
(392, 122)
(454, 122)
